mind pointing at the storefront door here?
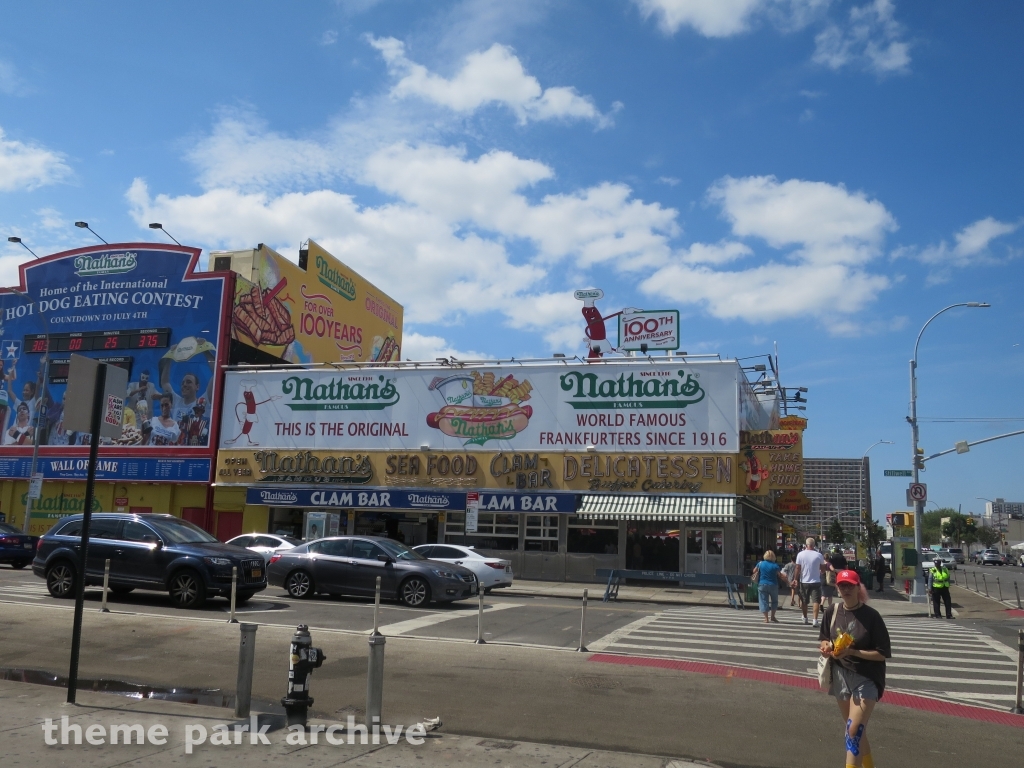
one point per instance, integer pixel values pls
(705, 550)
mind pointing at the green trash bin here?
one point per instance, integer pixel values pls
(867, 578)
(751, 595)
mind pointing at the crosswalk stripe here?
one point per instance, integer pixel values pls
(965, 664)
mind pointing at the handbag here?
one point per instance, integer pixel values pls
(825, 662)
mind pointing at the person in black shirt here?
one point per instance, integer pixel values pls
(858, 671)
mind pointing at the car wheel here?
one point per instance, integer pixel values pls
(122, 590)
(187, 590)
(299, 584)
(60, 580)
(19, 566)
(414, 592)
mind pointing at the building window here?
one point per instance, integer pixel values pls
(494, 530)
(541, 533)
(595, 537)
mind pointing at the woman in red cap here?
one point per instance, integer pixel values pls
(858, 665)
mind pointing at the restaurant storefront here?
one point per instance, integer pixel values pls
(561, 468)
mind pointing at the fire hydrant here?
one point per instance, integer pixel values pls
(304, 658)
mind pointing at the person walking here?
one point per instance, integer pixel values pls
(938, 588)
(879, 568)
(766, 575)
(789, 574)
(809, 567)
(858, 666)
(834, 563)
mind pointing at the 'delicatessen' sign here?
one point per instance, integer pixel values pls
(657, 405)
(620, 473)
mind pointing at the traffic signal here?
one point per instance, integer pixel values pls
(902, 520)
(919, 459)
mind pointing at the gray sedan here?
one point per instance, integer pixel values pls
(350, 565)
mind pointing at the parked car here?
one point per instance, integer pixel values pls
(491, 572)
(159, 552)
(16, 548)
(947, 558)
(989, 557)
(350, 565)
(264, 543)
(957, 554)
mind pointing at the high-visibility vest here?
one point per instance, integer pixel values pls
(940, 578)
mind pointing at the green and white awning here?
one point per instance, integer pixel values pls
(689, 509)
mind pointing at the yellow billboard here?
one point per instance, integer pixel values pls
(773, 460)
(317, 311)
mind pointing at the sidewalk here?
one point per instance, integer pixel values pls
(24, 709)
(891, 602)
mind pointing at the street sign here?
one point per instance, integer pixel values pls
(35, 486)
(649, 330)
(897, 473)
(472, 511)
(917, 492)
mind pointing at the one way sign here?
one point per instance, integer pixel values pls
(917, 492)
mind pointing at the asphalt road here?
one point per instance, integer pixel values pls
(988, 574)
(501, 691)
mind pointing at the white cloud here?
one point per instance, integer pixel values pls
(971, 248)
(870, 38)
(724, 18)
(831, 235)
(416, 346)
(10, 83)
(329, 37)
(493, 76)
(669, 180)
(27, 166)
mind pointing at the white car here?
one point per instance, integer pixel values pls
(264, 543)
(492, 572)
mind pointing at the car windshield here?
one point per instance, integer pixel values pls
(398, 550)
(5, 528)
(174, 531)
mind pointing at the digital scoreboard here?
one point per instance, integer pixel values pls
(99, 341)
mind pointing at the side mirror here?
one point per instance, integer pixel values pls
(385, 559)
(154, 540)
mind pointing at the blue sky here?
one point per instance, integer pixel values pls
(822, 174)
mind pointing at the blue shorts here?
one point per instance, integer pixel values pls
(847, 684)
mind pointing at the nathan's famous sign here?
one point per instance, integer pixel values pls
(672, 473)
(624, 406)
(317, 311)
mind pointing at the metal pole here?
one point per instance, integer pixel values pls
(376, 609)
(1019, 709)
(106, 585)
(1000, 589)
(246, 661)
(985, 582)
(1017, 590)
(480, 621)
(234, 586)
(375, 680)
(90, 488)
(583, 626)
(976, 587)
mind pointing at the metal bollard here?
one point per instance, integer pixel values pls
(106, 586)
(375, 669)
(480, 621)
(1019, 708)
(1000, 589)
(1017, 590)
(976, 587)
(985, 582)
(583, 626)
(246, 660)
(234, 586)
(376, 609)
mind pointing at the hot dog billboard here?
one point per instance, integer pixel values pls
(608, 406)
(317, 311)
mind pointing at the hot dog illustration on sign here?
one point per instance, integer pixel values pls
(756, 473)
(249, 416)
(597, 336)
(481, 408)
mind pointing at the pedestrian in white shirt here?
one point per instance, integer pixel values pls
(809, 566)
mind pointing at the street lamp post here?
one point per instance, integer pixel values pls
(918, 595)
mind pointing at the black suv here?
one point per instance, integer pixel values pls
(160, 552)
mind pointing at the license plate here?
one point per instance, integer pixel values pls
(508, 569)
(27, 546)
(257, 573)
(472, 590)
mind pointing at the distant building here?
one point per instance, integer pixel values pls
(839, 489)
(998, 513)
